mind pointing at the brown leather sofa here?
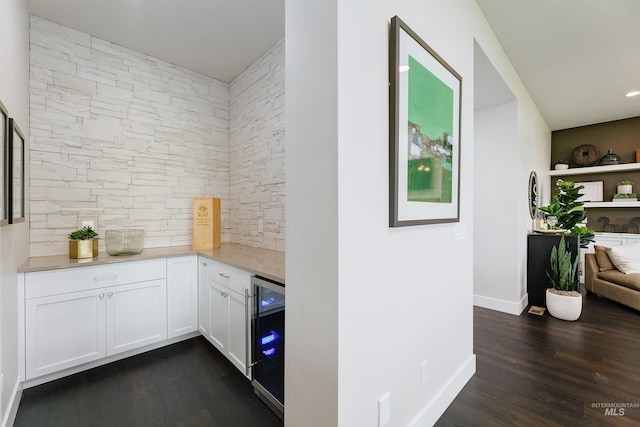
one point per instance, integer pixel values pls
(611, 283)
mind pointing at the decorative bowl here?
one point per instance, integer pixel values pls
(124, 242)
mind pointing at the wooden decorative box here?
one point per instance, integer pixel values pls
(206, 223)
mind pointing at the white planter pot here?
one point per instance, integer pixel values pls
(564, 307)
(625, 189)
(561, 166)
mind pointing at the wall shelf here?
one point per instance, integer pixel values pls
(596, 169)
(633, 204)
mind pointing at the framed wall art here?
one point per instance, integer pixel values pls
(16, 173)
(424, 132)
(4, 143)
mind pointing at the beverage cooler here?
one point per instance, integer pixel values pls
(268, 342)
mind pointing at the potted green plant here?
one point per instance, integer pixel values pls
(568, 211)
(563, 300)
(561, 164)
(83, 243)
(624, 187)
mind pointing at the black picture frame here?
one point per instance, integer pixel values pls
(4, 165)
(425, 101)
(16, 182)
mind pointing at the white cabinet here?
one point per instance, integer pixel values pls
(136, 315)
(182, 295)
(79, 315)
(224, 317)
(64, 331)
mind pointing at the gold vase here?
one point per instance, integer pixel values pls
(83, 248)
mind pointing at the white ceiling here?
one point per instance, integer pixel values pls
(577, 58)
(218, 38)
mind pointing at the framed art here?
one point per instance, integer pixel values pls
(424, 132)
(16, 173)
(4, 143)
(592, 191)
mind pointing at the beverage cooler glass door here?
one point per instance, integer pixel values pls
(268, 342)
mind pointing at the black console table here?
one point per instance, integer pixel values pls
(538, 253)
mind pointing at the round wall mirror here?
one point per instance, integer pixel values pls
(533, 194)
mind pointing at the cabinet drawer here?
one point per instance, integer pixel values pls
(233, 278)
(53, 282)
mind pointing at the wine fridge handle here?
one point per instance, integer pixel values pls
(247, 333)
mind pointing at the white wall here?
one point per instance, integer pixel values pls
(120, 138)
(14, 239)
(311, 353)
(511, 139)
(368, 304)
(256, 161)
(496, 222)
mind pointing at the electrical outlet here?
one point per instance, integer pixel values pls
(384, 410)
(88, 224)
(459, 231)
(425, 373)
(260, 226)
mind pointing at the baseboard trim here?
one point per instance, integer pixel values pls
(508, 307)
(441, 401)
(14, 402)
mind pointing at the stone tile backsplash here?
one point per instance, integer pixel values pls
(257, 179)
(127, 140)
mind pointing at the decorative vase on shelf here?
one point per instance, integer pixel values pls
(624, 187)
(610, 159)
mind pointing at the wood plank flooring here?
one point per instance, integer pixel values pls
(541, 371)
(531, 371)
(185, 384)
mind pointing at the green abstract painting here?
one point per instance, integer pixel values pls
(430, 132)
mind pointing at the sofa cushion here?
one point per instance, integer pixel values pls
(631, 280)
(602, 258)
(626, 258)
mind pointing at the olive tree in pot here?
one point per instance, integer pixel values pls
(563, 300)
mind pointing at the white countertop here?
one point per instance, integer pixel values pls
(262, 262)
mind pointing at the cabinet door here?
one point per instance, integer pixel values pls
(136, 315)
(238, 331)
(219, 320)
(63, 331)
(182, 295)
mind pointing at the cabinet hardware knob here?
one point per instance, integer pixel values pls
(109, 294)
(101, 295)
(226, 276)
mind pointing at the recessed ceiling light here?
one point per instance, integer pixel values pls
(632, 93)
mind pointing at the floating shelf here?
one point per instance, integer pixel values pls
(596, 169)
(633, 204)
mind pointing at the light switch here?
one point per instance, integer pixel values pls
(459, 231)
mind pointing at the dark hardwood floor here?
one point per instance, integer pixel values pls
(541, 371)
(184, 384)
(531, 371)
